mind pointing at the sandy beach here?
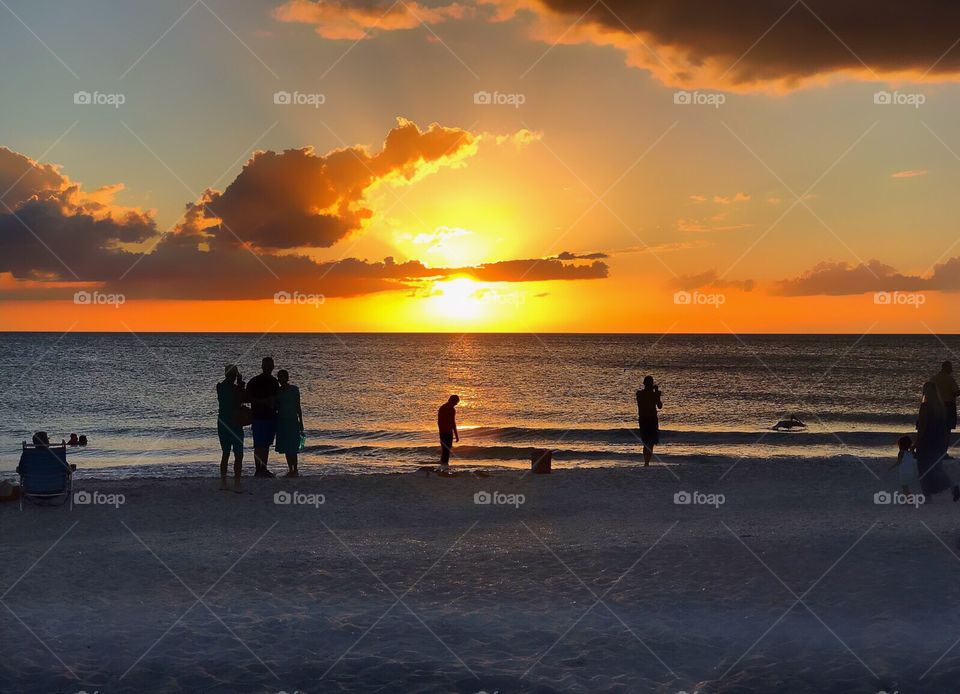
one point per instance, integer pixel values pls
(597, 581)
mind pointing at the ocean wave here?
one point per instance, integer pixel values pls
(546, 437)
(733, 443)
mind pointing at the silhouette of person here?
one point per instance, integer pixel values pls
(948, 390)
(230, 395)
(792, 423)
(262, 391)
(447, 426)
(289, 422)
(74, 441)
(933, 437)
(648, 402)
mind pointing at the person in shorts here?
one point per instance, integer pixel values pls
(262, 392)
(447, 427)
(230, 395)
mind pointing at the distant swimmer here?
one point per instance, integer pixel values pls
(792, 423)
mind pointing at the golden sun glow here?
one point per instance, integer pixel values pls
(458, 299)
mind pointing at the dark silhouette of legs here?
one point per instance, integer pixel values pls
(446, 446)
(292, 463)
(260, 456)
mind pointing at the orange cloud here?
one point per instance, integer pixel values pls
(298, 199)
(245, 242)
(911, 173)
(355, 21)
(737, 45)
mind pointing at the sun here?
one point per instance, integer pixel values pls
(458, 299)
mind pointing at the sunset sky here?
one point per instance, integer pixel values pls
(646, 166)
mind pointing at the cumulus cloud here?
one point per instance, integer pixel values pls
(299, 199)
(734, 45)
(22, 177)
(839, 278)
(246, 242)
(769, 44)
(50, 228)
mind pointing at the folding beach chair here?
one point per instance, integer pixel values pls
(45, 476)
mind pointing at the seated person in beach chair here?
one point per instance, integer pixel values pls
(45, 475)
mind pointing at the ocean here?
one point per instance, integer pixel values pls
(148, 406)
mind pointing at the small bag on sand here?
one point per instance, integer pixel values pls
(541, 461)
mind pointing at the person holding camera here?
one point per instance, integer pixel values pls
(648, 402)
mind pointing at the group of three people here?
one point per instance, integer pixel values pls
(274, 414)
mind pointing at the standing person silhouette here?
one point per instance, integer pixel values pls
(289, 422)
(447, 426)
(948, 390)
(262, 392)
(933, 437)
(648, 402)
(230, 395)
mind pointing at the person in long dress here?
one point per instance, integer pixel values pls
(933, 437)
(289, 422)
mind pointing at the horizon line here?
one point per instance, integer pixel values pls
(475, 332)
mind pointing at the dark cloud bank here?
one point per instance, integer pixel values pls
(245, 242)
